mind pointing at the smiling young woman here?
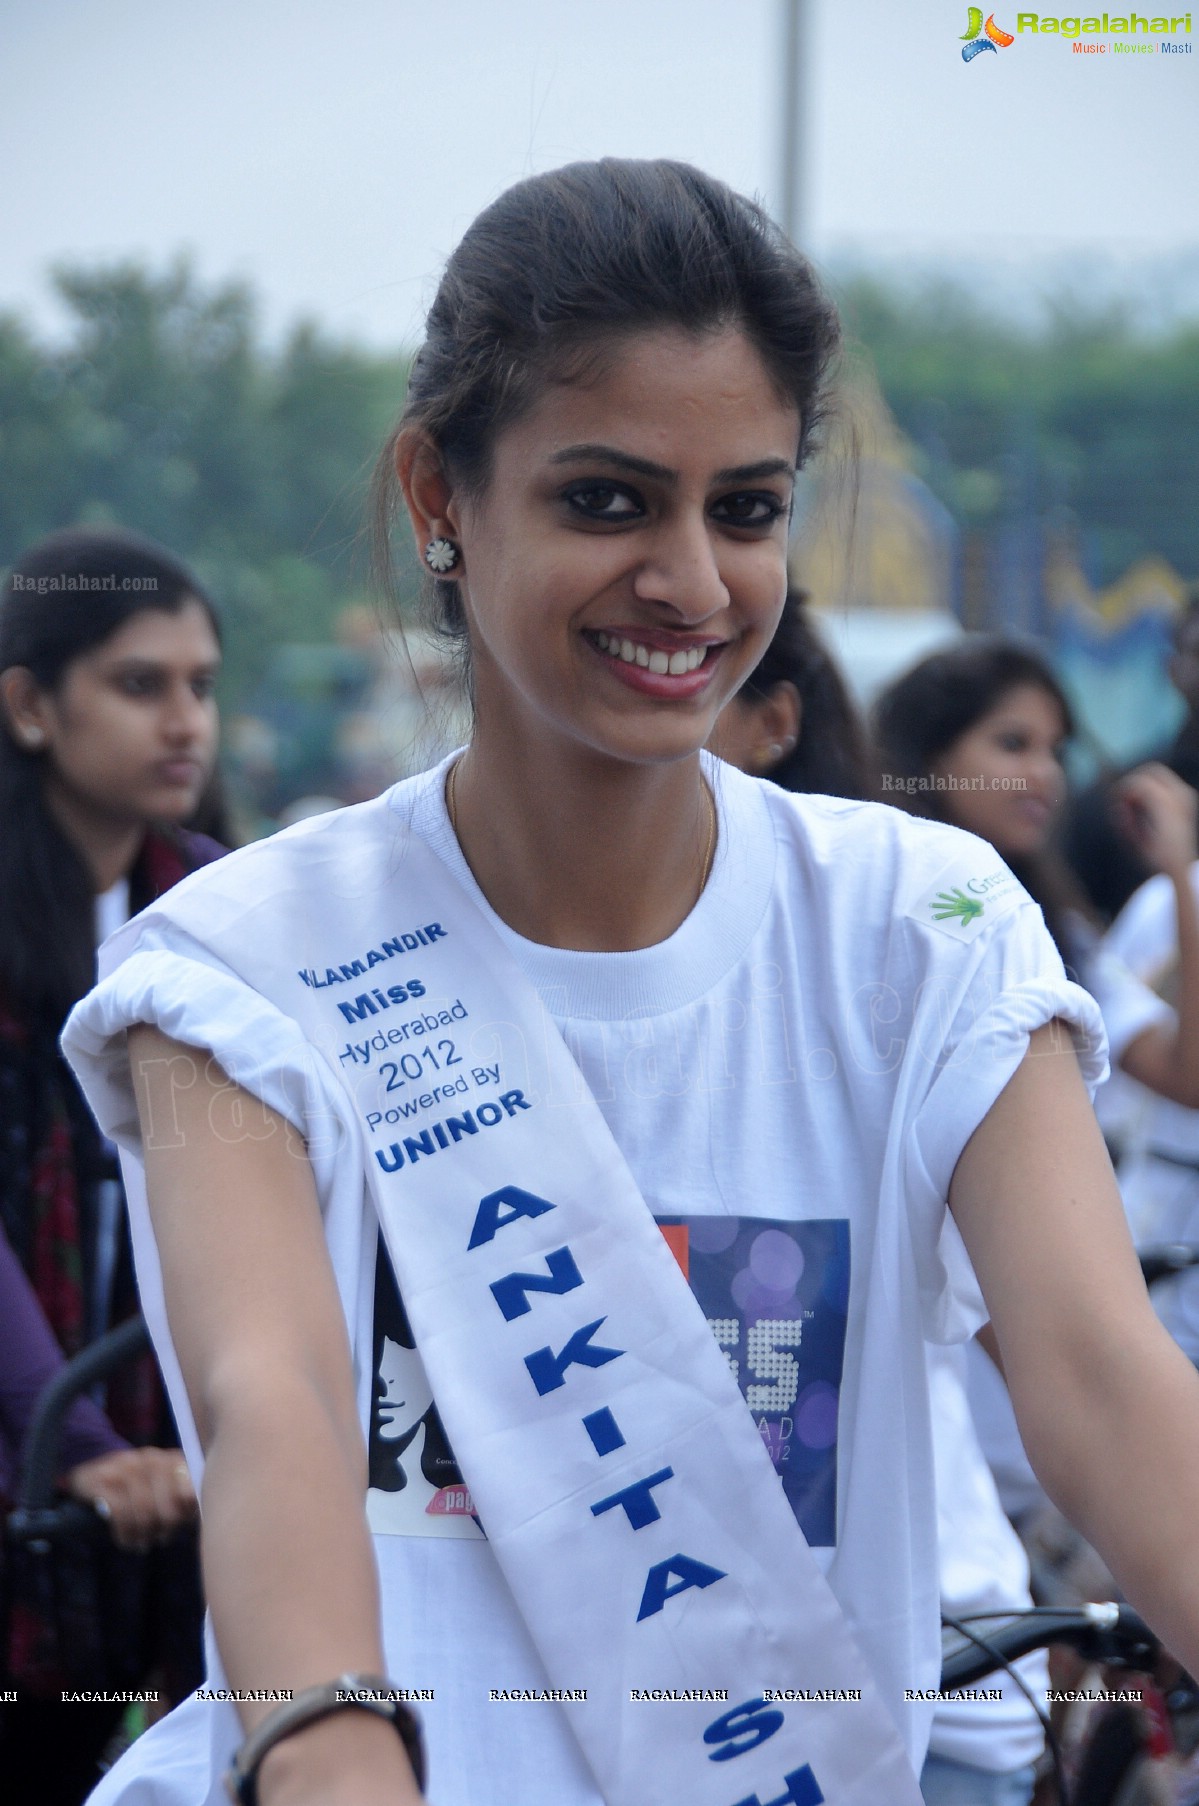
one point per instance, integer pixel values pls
(618, 1048)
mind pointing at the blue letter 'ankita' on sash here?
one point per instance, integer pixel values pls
(603, 1430)
(746, 1726)
(690, 1573)
(511, 1292)
(488, 1219)
(548, 1369)
(638, 1502)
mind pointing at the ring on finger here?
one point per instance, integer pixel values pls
(103, 1510)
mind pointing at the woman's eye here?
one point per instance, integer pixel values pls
(138, 683)
(749, 508)
(604, 501)
(204, 687)
(1013, 743)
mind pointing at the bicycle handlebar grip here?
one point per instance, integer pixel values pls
(91, 1364)
(1105, 1632)
(38, 1528)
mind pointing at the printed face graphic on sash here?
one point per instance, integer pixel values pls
(626, 564)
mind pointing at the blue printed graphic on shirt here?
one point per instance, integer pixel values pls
(776, 1296)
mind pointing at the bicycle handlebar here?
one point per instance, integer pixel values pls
(40, 1518)
(1108, 1633)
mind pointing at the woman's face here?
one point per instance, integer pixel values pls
(1005, 771)
(130, 731)
(625, 567)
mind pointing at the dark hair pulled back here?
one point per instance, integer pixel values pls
(65, 596)
(918, 718)
(561, 268)
(832, 755)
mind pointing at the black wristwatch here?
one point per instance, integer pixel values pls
(349, 1692)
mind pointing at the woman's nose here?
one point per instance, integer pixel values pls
(188, 717)
(681, 570)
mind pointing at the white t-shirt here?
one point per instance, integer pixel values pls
(112, 909)
(791, 1076)
(983, 1569)
(1144, 939)
(1159, 1178)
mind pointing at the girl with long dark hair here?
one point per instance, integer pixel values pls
(658, 1082)
(108, 657)
(974, 735)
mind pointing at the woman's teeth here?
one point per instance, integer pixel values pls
(661, 664)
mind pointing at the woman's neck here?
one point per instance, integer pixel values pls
(108, 846)
(585, 852)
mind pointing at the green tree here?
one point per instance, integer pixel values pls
(165, 412)
(1084, 413)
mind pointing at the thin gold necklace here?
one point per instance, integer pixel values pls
(451, 805)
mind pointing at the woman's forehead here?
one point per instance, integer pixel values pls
(160, 633)
(653, 393)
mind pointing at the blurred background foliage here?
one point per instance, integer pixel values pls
(163, 410)
(1025, 448)
(1085, 411)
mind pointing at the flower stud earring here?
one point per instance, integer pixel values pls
(441, 555)
(31, 737)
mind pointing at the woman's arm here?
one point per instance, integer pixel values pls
(1158, 813)
(1108, 1406)
(258, 1328)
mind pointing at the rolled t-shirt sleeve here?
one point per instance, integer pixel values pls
(1127, 1006)
(184, 990)
(1013, 983)
(155, 972)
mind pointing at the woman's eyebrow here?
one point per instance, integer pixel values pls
(644, 467)
(137, 665)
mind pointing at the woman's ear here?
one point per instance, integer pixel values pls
(23, 707)
(428, 493)
(779, 720)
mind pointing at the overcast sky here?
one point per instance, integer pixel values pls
(332, 155)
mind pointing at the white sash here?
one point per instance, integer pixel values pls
(617, 1472)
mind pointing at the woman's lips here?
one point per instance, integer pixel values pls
(657, 664)
(178, 772)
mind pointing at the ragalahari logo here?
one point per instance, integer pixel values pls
(979, 37)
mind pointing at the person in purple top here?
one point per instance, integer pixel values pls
(145, 1493)
(109, 650)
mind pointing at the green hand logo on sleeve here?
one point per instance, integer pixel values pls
(955, 904)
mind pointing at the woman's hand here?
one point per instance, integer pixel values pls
(144, 1495)
(1157, 812)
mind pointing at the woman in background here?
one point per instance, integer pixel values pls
(794, 721)
(974, 736)
(108, 728)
